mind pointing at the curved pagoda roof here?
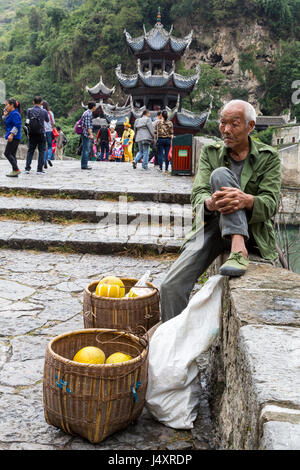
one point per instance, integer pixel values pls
(158, 39)
(170, 79)
(100, 91)
(181, 118)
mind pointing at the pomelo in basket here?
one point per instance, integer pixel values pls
(110, 286)
(90, 355)
(118, 357)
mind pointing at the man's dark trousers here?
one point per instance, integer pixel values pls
(35, 141)
(212, 239)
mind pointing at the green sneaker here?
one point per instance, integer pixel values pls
(236, 265)
(14, 174)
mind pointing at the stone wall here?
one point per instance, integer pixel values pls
(198, 143)
(22, 152)
(255, 366)
(290, 164)
(289, 207)
(286, 135)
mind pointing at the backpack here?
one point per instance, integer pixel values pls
(65, 141)
(78, 127)
(35, 124)
(103, 134)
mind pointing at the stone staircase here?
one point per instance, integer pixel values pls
(111, 209)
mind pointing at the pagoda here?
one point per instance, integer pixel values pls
(155, 85)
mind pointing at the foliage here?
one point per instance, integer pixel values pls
(57, 48)
(279, 80)
(239, 93)
(247, 62)
(211, 128)
(209, 87)
(264, 136)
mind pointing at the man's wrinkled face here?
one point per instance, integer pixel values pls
(233, 126)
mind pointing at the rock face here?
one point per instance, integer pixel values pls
(221, 47)
(255, 368)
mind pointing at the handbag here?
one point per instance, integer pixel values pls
(170, 153)
(55, 132)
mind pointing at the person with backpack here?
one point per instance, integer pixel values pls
(61, 141)
(87, 134)
(104, 138)
(49, 126)
(13, 123)
(36, 118)
(164, 133)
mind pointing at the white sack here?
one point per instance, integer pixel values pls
(173, 390)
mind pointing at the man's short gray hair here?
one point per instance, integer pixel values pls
(250, 113)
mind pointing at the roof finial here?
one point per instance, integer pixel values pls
(158, 16)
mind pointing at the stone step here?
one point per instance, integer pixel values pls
(105, 181)
(102, 238)
(120, 212)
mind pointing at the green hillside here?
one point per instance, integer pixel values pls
(56, 48)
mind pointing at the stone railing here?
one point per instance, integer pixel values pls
(255, 366)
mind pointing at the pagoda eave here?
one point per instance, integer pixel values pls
(148, 52)
(158, 40)
(141, 91)
(100, 91)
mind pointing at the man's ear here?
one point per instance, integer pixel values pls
(251, 125)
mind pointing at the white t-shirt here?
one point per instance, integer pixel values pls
(48, 125)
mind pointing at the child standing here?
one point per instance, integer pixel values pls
(117, 151)
(61, 141)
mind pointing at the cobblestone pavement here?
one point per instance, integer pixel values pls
(41, 297)
(105, 176)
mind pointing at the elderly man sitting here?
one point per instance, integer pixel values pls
(235, 196)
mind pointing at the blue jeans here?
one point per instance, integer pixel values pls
(48, 150)
(86, 150)
(163, 147)
(104, 150)
(143, 153)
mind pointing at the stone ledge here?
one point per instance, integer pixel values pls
(254, 368)
(280, 436)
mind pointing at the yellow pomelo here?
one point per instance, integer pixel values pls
(90, 355)
(118, 357)
(110, 286)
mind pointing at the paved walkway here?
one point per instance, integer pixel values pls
(105, 178)
(41, 297)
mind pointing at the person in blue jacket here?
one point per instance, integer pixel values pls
(13, 124)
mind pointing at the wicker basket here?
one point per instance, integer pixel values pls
(124, 313)
(94, 400)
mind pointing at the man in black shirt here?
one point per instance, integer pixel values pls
(35, 120)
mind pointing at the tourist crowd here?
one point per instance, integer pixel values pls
(153, 139)
(41, 131)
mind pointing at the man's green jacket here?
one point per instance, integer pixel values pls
(261, 177)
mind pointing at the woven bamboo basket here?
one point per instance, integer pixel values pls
(94, 400)
(123, 313)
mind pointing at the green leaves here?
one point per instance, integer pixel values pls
(279, 79)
